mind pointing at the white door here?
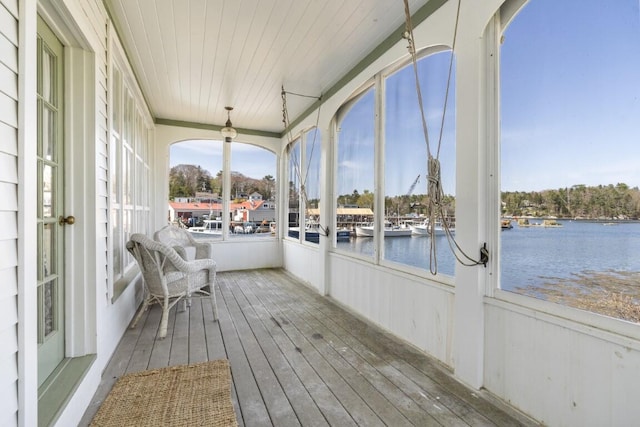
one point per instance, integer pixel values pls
(51, 219)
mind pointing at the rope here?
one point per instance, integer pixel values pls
(412, 50)
(297, 166)
(446, 94)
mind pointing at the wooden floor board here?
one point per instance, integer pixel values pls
(327, 365)
(329, 406)
(280, 411)
(405, 358)
(216, 346)
(197, 341)
(321, 394)
(252, 410)
(357, 341)
(212, 335)
(370, 369)
(145, 344)
(264, 330)
(161, 348)
(434, 378)
(439, 399)
(297, 358)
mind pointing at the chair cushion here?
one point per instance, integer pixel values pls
(190, 252)
(173, 236)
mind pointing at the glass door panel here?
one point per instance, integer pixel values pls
(50, 204)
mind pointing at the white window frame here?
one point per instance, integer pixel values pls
(129, 170)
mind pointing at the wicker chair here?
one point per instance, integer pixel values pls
(179, 238)
(169, 278)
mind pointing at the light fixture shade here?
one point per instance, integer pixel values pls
(228, 132)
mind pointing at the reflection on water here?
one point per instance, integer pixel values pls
(411, 250)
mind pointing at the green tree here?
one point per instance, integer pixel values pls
(185, 180)
(268, 187)
(365, 200)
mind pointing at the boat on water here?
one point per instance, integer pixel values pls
(506, 224)
(209, 226)
(313, 234)
(313, 230)
(343, 235)
(390, 230)
(309, 234)
(524, 222)
(547, 223)
(424, 228)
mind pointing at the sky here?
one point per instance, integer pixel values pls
(570, 95)
(570, 109)
(405, 142)
(252, 161)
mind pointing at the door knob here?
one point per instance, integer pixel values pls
(68, 220)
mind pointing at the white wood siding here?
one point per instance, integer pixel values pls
(416, 310)
(8, 212)
(563, 372)
(98, 17)
(302, 260)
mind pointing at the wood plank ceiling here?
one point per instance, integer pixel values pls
(194, 57)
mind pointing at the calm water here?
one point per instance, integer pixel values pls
(412, 250)
(530, 255)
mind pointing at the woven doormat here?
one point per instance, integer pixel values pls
(187, 395)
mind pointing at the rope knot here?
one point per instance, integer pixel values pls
(434, 184)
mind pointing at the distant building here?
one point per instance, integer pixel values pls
(255, 211)
(191, 212)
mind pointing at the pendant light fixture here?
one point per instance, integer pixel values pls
(228, 132)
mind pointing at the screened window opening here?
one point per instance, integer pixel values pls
(397, 227)
(355, 172)
(196, 190)
(407, 238)
(304, 188)
(293, 190)
(314, 226)
(570, 103)
(195, 187)
(252, 209)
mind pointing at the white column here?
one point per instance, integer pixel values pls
(475, 195)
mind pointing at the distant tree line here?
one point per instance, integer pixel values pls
(579, 201)
(402, 205)
(186, 180)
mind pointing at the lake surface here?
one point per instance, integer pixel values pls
(531, 256)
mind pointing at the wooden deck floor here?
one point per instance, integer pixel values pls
(298, 359)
